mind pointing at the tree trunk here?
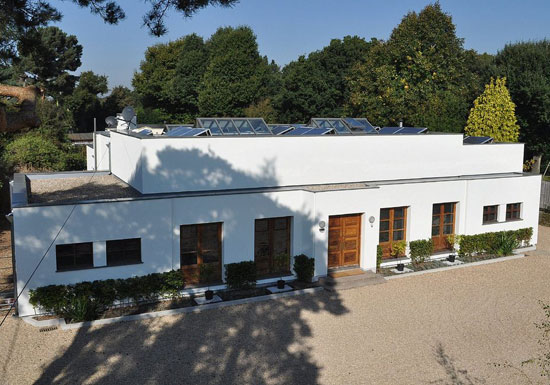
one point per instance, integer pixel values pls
(26, 116)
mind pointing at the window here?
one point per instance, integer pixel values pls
(74, 256)
(393, 224)
(271, 238)
(513, 211)
(200, 244)
(124, 252)
(490, 214)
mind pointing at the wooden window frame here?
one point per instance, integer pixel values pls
(270, 230)
(442, 224)
(200, 251)
(386, 246)
(75, 254)
(490, 210)
(513, 209)
(110, 244)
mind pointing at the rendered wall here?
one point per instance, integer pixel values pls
(102, 143)
(157, 222)
(209, 163)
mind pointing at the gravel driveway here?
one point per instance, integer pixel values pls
(444, 328)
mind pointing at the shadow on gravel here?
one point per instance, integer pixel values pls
(453, 375)
(254, 344)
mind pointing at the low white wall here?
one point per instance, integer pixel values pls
(212, 163)
(157, 222)
(103, 158)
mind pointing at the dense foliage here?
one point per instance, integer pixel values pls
(420, 250)
(304, 268)
(493, 114)
(498, 243)
(241, 275)
(86, 301)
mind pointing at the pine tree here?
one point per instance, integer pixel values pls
(493, 114)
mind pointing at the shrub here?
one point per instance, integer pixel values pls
(88, 300)
(420, 250)
(241, 275)
(379, 253)
(304, 267)
(495, 242)
(206, 273)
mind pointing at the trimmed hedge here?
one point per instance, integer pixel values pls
(420, 250)
(241, 275)
(379, 254)
(86, 301)
(498, 243)
(304, 267)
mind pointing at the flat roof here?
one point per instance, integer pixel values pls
(89, 187)
(78, 187)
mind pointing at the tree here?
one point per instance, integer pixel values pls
(262, 109)
(170, 77)
(493, 114)
(419, 75)
(48, 59)
(55, 120)
(85, 104)
(20, 19)
(119, 98)
(316, 85)
(526, 66)
(236, 75)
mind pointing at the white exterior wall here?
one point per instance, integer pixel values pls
(157, 222)
(157, 165)
(103, 158)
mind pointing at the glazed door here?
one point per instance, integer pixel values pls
(443, 225)
(200, 245)
(344, 240)
(393, 228)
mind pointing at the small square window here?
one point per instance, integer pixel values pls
(123, 252)
(490, 214)
(74, 256)
(513, 211)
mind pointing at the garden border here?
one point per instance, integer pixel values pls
(60, 322)
(484, 262)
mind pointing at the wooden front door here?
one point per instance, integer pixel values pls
(443, 224)
(344, 240)
(200, 245)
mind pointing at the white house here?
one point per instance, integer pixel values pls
(174, 202)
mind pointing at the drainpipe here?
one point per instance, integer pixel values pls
(9, 217)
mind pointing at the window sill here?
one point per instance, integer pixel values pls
(96, 267)
(514, 220)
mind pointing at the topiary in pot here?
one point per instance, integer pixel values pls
(206, 275)
(397, 251)
(281, 263)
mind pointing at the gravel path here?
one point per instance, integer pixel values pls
(443, 328)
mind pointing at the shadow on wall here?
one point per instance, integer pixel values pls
(262, 343)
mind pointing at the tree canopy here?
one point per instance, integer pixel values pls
(493, 114)
(526, 66)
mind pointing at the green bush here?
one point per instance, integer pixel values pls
(88, 300)
(304, 267)
(241, 275)
(379, 254)
(420, 250)
(495, 242)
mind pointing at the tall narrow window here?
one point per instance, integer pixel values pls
(443, 224)
(490, 214)
(123, 252)
(74, 256)
(513, 211)
(200, 245)
(393, 228)
(271, 239)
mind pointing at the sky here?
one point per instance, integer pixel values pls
(286, 29)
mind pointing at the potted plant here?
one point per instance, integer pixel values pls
(206, 275)
(398, 250)
(452, 240)
(281, 262)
